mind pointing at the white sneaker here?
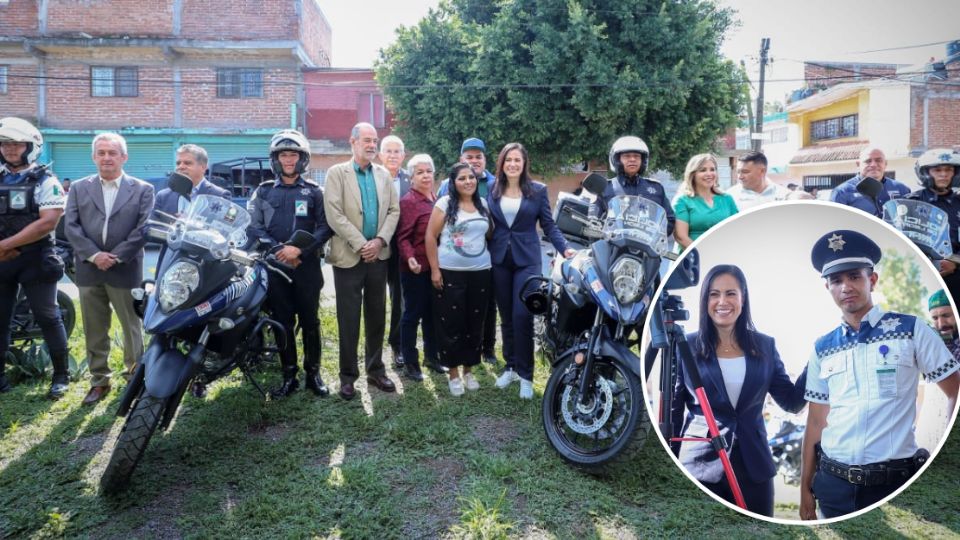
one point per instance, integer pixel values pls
(507, 377)
(456, 386)
(526, 389)
(470, 381)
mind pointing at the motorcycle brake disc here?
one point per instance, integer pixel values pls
(587, 421)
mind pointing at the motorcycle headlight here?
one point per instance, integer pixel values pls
(627, 277)
(176, 285)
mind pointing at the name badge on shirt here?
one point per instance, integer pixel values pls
(300, 207)
(18, 200)
(887, 381)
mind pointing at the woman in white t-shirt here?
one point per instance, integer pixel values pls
(738, 367)
(456, 245)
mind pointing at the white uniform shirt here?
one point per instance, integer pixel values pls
(869, 378)
(747, 198)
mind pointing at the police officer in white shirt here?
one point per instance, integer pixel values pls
(859, 445)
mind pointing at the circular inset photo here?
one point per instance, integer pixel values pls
(803, 359)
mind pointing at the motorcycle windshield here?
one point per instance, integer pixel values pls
(634, 218)
(923, 223)
(212, 223)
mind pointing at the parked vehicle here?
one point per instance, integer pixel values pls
(787, 447)
(593, 409)
(205, 318)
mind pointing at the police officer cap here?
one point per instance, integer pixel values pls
(938, 299)
(842, 250)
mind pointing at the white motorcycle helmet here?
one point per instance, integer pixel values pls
(934, 158)
(289, 139)
(19, 130)
(628, 143)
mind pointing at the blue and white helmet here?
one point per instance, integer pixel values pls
(934, 158)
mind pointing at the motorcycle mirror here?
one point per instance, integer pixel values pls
(300, 239)
(180, 184)
(687, 274)
(870, 187)
(594, 183)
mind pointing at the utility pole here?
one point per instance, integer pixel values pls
(746, 82)
(758, 131)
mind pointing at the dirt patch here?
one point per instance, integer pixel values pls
(84, 448)
(162, 513)
(435, 503)
(268, 431)
(494, 433)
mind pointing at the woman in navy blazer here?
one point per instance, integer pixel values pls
(738, 367)
(517, 204)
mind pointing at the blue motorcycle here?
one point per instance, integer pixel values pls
(593, 408)
(786, 447)
(204, 314)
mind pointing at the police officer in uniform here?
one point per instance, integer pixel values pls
(629, 157)
(859, 444)
(31, 204)
(939, 174)
(279, 208)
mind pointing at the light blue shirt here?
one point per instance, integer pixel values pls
(869, 378)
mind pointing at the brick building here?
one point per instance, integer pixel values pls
(222, 74)
(905, 113)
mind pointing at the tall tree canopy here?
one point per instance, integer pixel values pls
(564, 77)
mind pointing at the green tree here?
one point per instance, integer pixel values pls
(564, 77)
(900, 284)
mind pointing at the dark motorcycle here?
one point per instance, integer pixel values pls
(205, 317)
(786, 447)
(593, 409)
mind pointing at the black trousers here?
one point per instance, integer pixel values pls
(516, 322)
(417, 311)
(396, 297)
(757, 495)
(361, 286)
(38, 271)
(298, 302)
(490, 327)
(459, 310)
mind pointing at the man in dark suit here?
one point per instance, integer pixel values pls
(104, 219)
(192, 163)
(391, 156)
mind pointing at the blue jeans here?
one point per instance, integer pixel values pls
(417, 310)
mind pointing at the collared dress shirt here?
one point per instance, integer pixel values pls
(869, 378)
(368, 199)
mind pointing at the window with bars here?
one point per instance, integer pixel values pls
(834, 128)
(114, 81)
(3, 79)
(239, 83)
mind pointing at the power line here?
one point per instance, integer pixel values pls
(902, 47)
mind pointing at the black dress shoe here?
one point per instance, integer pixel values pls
(347, 391)
(58, 387)
(383, 383)
(434, 365)
(198, 390)
(397, 358)
(489, 357)
(288, 387)
(314, 383)
(413, 375)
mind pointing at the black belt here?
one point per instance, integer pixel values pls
(895, 471)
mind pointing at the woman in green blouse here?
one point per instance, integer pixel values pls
(701, 204)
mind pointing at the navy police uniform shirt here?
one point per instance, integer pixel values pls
(642, 187)
(949, 203)
(277, 210)
(846, 193)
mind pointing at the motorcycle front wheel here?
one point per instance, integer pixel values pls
(131, 444)
(611, 425)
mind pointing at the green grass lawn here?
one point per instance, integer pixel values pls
(418, 464)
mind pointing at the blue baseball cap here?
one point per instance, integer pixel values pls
(472, 142)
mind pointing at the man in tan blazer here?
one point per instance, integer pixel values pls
(362, 208)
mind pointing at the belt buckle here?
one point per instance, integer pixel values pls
(857, 472)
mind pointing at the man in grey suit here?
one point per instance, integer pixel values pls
(391, 156)
(104, 218)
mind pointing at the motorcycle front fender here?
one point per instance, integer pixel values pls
(166, 372)
(615, 349)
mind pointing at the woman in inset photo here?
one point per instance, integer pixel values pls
(739, 367)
